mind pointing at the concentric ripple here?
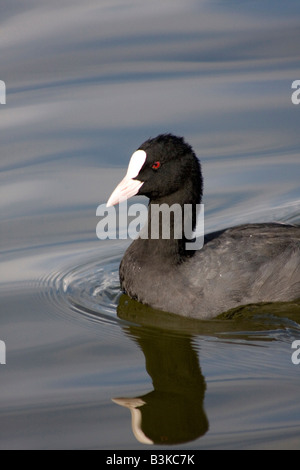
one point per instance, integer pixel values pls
(90, 290)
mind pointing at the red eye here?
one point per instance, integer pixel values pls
(156, 165)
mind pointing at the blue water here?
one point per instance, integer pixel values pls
(86, 84)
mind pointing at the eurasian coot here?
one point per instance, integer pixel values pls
(241, 265)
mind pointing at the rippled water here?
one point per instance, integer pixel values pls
(87, 83)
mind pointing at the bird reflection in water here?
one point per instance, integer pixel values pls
(173, 412)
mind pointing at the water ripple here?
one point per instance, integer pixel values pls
(88, 291)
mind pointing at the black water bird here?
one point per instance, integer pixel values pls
(246, 264)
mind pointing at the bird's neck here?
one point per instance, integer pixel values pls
(170, 227)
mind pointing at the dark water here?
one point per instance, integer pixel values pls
(87, 83)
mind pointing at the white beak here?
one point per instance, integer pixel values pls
(129, 187)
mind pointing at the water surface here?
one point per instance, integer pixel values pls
(86, 85)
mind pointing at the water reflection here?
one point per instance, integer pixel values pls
(173, 412)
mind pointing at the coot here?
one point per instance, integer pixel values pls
(246, 264)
